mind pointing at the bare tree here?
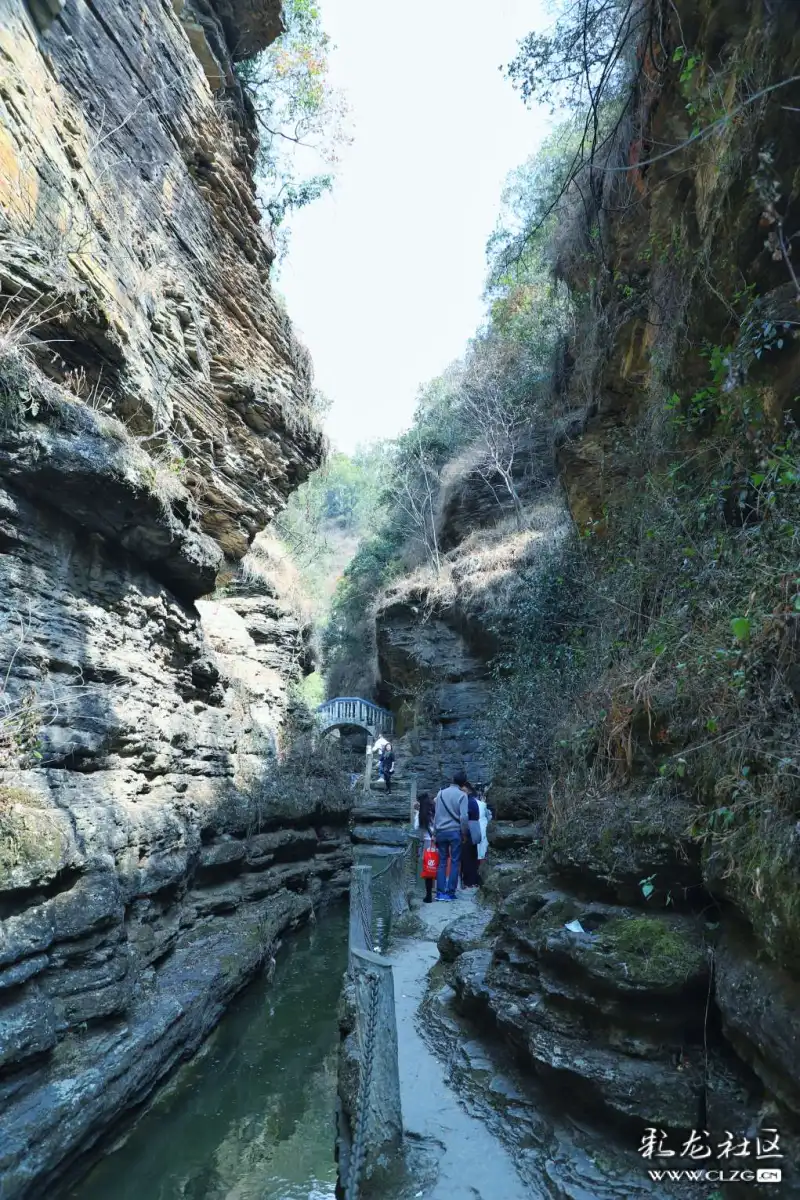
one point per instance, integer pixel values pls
(413, 489)
(498, 402)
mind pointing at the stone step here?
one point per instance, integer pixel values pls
(383, 809)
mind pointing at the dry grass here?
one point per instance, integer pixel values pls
(268, 565)
(484, 570)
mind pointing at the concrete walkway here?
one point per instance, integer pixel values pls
(474, 1164)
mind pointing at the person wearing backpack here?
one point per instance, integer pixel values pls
(469, 848)
(451, 826)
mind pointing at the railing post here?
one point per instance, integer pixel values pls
(368, 767)
(360, 909)
(379, 1121)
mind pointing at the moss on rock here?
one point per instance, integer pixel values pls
(653, 951)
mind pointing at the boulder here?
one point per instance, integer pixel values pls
(514, 835)
(619, 844)
(499, 879)
(465, 933)
(579, 1072)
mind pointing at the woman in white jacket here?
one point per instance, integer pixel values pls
(485, 818)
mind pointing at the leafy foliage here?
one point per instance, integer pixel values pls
(579, 59)
(302, 118)
(327, 517)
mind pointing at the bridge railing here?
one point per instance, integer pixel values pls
(354, 710)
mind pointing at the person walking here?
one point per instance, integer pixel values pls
(381, 743)
(425, 815)
(386, 766)
(469, 848)
(450, 828)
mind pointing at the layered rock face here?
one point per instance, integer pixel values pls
(154, 415)
(440, 683)
(438, 633)
(131, 241)
(640, 1018)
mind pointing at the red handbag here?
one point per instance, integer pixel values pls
(430, 863)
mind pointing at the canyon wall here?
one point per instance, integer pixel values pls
(155, 413)
(440, 634)
(643, 959)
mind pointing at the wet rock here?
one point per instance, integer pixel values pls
(505, 1090)
(28, 1027)
(759, 1006)
(476, 1056)
(471, 989)
(465, 933)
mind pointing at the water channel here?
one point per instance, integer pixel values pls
(250, 1118)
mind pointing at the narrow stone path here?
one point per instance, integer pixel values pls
(473, 1164)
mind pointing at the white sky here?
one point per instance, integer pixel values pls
(384, 277)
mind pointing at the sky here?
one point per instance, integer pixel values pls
(385, 275)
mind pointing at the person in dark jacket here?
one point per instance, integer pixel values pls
(469, 848)
(386, 766)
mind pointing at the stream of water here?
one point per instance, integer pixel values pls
(251, 1118)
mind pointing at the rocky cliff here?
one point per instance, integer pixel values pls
(440, 634)
(154, 415)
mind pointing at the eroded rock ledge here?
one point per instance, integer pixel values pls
(637, 1016)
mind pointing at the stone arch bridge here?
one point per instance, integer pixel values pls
(352, 710)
